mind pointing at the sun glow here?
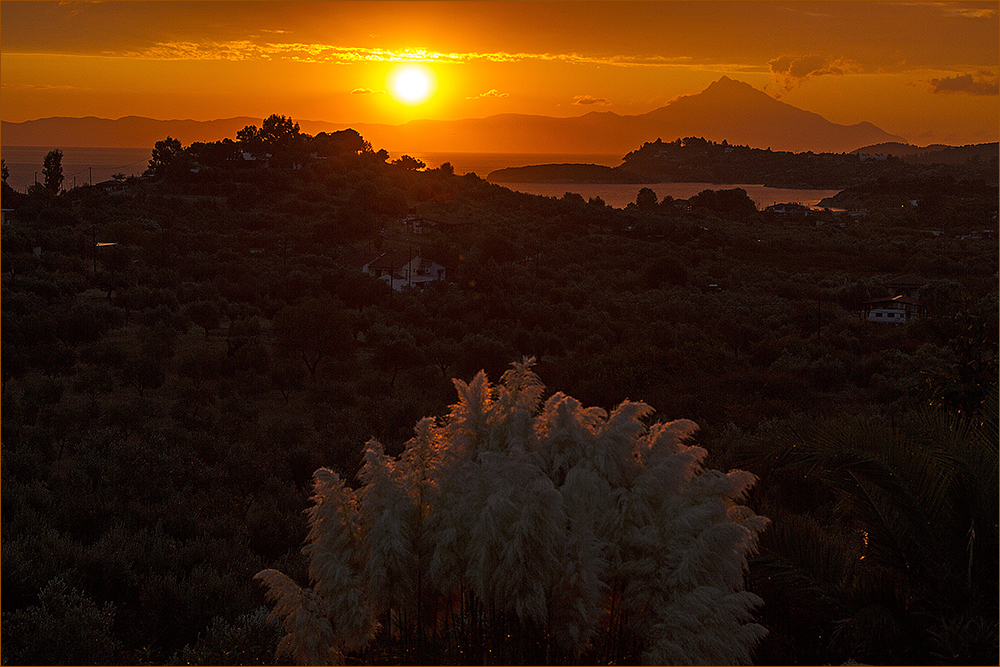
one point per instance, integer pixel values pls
(411, 84)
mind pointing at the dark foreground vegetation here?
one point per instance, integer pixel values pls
(167, 398)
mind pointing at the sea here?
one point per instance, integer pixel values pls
(81, 166)
(93, 165)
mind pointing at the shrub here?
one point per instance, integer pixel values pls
(65, 627)
(518, 530)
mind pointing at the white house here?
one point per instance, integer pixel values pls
(893, 310)
(404, 269)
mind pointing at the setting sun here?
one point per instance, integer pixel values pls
(411, 84)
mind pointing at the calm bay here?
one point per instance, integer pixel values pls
(80, 165)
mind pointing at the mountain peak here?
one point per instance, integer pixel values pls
(727, 86)
(741, 114)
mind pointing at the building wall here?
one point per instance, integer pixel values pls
(887, 315)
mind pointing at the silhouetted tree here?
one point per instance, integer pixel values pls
(280, 137)
(394, 348)
(339, 143)
(277, 130)
(734, 203)
(52, 170)
(646, 200)
(206, 314)
(314, 329)
(164, 153)
(409, 163)
(249, 140)
(216, 154)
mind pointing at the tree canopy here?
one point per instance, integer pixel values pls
(52, 170)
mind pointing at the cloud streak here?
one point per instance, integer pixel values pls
(36, 87)
(328, 53)
(981, 83)
(958, 9)
(590, 100)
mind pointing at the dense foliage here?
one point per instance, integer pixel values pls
(163, 414)
(698, 160)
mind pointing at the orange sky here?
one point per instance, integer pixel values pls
(926, 71)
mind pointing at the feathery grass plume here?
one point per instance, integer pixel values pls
(614, 452)
(532, 554)
(469, 417)
(336, 560)
(565, 432)
(579, 591)
(388, 517)
(309, 635)
(520, 388)
(420, 460)
(705, 626)
(523, 530)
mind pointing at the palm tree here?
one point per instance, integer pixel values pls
(896, 548)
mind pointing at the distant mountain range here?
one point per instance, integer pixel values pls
(127, 132)
(727, 110)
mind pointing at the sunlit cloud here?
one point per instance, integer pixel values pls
(796, 10)
(327, 53)
(960, 9)
(590, 100)
(74, 7)
(362, 91)
(492, 92)
(793, 71)
(981, 83)
(235, 50)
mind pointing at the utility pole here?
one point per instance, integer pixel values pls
(93, 245)
(91, 175)
(819, 316)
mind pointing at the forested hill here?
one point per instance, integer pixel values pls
(938, 193)
(935, 153)
(697, 160)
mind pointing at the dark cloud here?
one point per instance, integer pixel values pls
(981, 83)
(584, 100)
(792, 71)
